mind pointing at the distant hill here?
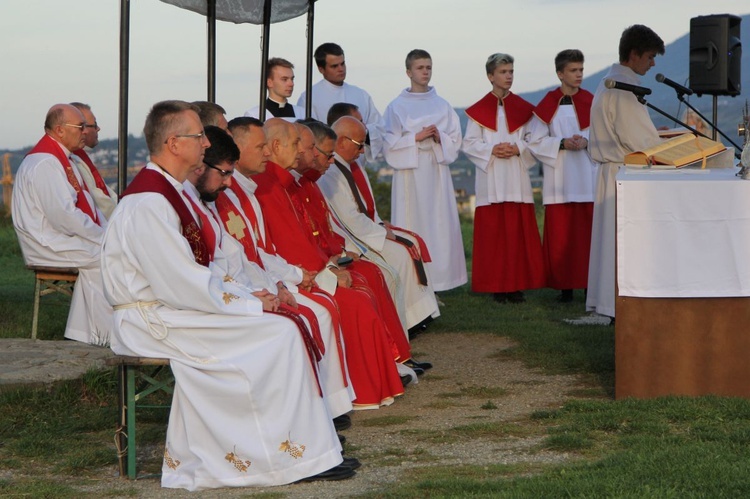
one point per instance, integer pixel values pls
(674, 64)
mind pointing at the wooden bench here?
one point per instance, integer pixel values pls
(137, 378)
(50, 280)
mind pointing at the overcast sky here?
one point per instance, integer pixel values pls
(64, 50)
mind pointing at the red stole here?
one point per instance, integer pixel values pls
(48, 145)
(206, 228)
(98, 180)
(484, 111)
(547, 107)
(235, 225)
(149, 180)
(364, 189)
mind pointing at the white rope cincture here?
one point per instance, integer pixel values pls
(162, 333)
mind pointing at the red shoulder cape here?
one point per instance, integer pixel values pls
(547, 107)
(484, 111)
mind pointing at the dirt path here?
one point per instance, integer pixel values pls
(473, 386)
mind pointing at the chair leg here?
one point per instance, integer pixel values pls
(35, 315)
(130, 377)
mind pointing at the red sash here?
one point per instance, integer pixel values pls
(48, 145)
(98, 180)
(484, 112)
(547, 107)
(149, 180)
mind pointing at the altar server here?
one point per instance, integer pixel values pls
(329, 57)
(422, 137)
(507, 256)
(559, 137)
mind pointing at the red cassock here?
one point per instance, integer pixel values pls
(567, 226)
(332, 244)
(507, 254)
(370, 351)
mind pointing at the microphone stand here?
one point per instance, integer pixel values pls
(681, 98)
(642, 100)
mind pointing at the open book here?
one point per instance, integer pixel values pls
(676, 152)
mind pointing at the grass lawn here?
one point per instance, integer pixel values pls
(668, 447)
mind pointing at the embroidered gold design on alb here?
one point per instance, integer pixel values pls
(171, 463)
(228, 278)
(237, 462)
(229, 297)
(293, 449)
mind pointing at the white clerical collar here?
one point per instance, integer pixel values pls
(280, 104)
(332, 85)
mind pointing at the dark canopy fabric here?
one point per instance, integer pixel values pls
(246, 11)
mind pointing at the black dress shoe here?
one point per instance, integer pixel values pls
(417, 370)
(339, 472)
(351, 462)
(500, 297)
(418, 365)
(566, 296)
(405, 380)
(342, 422)
(342, 438)
(516, 297)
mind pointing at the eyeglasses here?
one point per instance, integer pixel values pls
(223, 173)
(95, 125)
(361, 145)
(328, 155)
(80, 126)
(188, 135)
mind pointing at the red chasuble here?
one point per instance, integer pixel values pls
(149, 180)
(369, 353)
(547, 107)
(327, 238)
(48, 145)
(484, 112)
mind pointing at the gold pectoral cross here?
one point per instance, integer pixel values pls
(236, 226)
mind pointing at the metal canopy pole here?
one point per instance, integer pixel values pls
(309, 67)
(122, 129)
(264, 58)
(211, 32)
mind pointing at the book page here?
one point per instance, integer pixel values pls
(687, 152)
(641, 157)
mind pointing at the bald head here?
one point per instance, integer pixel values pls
(283, 142)
(351, 138)
(65, 124)
(308, 153)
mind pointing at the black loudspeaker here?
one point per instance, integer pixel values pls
(715, 53)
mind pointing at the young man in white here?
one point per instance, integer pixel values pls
(329, 57)
(280, 83)
(507, 256)
(422, 137)
(620, 124)
(559, 137)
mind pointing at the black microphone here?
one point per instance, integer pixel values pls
(680, 89)
(639, 91)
